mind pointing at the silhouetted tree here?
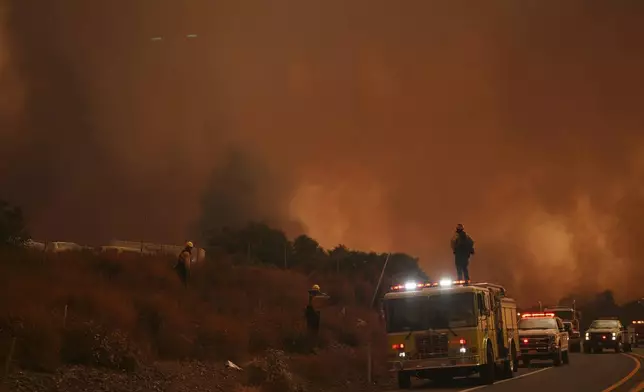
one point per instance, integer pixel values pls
(305, 246)
(307, 254)
(13, 231)
(267, 245)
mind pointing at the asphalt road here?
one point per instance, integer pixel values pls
(607, 372)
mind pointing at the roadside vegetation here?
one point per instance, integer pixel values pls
(75, 320)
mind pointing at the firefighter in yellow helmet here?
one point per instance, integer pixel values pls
(183, 263)
(317, 300)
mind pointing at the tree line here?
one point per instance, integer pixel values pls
(260, 243)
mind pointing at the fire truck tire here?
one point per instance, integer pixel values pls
(404, 380)
(566, 358)
(507, 369)
(486, 370)
(557, 360)
(515, 360)
(511, 365)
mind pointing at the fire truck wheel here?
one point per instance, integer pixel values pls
(515, 364)
(566, 358)
(507, 369)
(557, 359)
(404, 380)
(510, 365)
(486, 371)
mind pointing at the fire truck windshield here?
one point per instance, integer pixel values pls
(563, 314)
(437, 311)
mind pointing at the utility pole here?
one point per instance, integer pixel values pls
(382, 274)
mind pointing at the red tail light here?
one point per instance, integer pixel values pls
(462, 341)
(398, 346)
(525, 341)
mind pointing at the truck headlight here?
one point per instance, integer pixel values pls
(587, 336)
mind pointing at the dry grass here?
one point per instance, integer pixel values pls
(121, 313)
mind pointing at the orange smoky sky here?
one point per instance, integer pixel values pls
(372, 123)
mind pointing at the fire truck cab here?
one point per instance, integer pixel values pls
(447, 329)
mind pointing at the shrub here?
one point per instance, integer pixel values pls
(36, 344)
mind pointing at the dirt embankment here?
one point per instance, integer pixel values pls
(80, 322)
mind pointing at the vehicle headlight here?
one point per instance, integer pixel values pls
(614, 334)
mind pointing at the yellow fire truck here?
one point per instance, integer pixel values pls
(448, 329)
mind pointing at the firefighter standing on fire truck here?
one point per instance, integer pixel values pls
(463, 248)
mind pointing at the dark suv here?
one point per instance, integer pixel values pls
(606, 333)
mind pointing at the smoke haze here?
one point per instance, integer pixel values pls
(380, 124)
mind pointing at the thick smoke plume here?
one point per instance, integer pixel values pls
(386, 123)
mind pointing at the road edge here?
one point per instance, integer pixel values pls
(630, 375)
(506, 380)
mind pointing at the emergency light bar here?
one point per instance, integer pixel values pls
(638, 322)
(535, 315)
(411, 286)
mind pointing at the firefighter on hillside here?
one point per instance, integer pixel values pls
(463, 248)
(183, 263)
(317, 300)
